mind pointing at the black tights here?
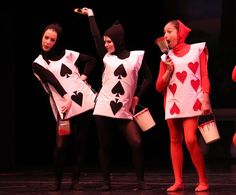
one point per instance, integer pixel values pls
(79, 126)
(131, 132)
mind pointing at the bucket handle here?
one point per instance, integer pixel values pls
(140, 105)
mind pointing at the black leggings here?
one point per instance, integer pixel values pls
(80, 125)
(131, 132)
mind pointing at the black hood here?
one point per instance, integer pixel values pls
(117, 35)
(57, 51)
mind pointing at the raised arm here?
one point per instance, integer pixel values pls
(101, 50)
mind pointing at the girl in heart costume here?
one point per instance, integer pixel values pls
(70, 97)
(183, 80)
(234, 79)
(234, 74)
(118, 95)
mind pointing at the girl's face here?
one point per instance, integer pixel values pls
(49, 39)
(109, 44)
(171, 35)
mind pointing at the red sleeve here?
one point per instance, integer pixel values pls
(204, 72)
(160, 83)
(234, 74)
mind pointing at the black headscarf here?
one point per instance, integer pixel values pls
(57, 51)
(117, 35)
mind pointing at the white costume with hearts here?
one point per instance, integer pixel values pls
(184, 92)
(119, 83)
(68, 75)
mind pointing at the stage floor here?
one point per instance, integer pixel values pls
(40, 181)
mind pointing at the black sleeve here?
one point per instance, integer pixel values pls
(48, 77)
(101, 50)
(145, 76)
(88, 62)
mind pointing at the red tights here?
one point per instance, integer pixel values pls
(185, 128)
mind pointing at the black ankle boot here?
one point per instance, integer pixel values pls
(57, 185)
(75, 184)
(141, 185)
(105, 187)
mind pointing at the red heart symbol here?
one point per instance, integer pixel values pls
(197, 106)
(173, 88)
(193, 66)
(181, 76)
(174, 109)
(195, 84)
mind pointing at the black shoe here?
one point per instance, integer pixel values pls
(142, 186)
(75, 185)
(105, 187)
(57, 185)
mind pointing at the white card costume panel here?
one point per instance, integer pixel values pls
(119, 83)
(68, 75)
(184, 91)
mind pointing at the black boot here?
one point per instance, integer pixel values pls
(58, 163)
(141, 185)
(57, 184)
(75, 184)
(74, 181)
(105, 187)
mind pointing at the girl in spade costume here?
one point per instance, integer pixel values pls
(183, 80)
(118, 96)
(70, 97)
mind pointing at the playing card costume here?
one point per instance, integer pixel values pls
(66, 72)
(184, 89)
(58, 71)
(122, 68)
(185, 84)
(119, 84)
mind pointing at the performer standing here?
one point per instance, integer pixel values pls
(183, 79)
(119, 95)
(70, 97)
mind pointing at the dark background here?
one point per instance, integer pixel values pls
(27, 133)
